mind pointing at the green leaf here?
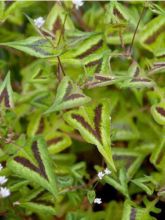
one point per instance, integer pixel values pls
(99, 80)
(91, 196)
(6, 93)
(146, 183)
(129, 159)
(38, 208)
(35, 46)
(152, 37)
(68, 96)
(57, 142)
(132, 211)
(158, 113)
(94, 126)
(39, 170)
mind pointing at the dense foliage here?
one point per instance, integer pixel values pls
(82, 110)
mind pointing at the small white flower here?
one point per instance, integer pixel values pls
(16, 203)
(107, 171)
(3, 180)
(78, 3)
(4, 192)
(39, 22)
(1, 167)
(100, 175)
(97, 201)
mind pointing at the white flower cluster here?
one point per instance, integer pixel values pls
(97, 201)
(78, 3)
(101, 174)
(4, 192)
(39, 22)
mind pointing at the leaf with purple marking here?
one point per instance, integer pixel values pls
(158, 113)
(6, 93)
(94, 126)
(57, 142)
(99, 80)
(68, 96)
(133, 212)
(153, 35)
(34, 46)
(35, 166)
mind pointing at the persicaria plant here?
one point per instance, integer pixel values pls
(82, 110)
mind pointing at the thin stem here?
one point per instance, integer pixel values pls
(141, 15)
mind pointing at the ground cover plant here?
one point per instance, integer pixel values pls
(82, 110)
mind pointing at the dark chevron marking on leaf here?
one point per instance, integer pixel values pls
(133, 214)
(117, 13)
(4, 95)
(102, 78)
(54, 140)
(93, 63)
(97, 123)
(140, 80)
(57, 25)
(137, 72)
(36, 46)
(38, 158)
(99, 80)
(25, 162)
(97, 120)
(90, 50)
(161, 111)
(152, 38)
(85, 124)
(74, 96)
(69, 96)
(68, 90)
(159, 64)
(39, 50)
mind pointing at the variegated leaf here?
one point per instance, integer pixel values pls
(68, 96)
(94, 126)
(57, 142)
(35, 46)
(99, 80)
(133, 212)
(6, 93)
(36, 166)
(158, 113)
(153, 35)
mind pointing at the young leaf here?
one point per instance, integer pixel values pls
(91, 196)
(94, 126)
(6, 93)
(146, 183)
(68, 96)
(35, 46)
(40, 171)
